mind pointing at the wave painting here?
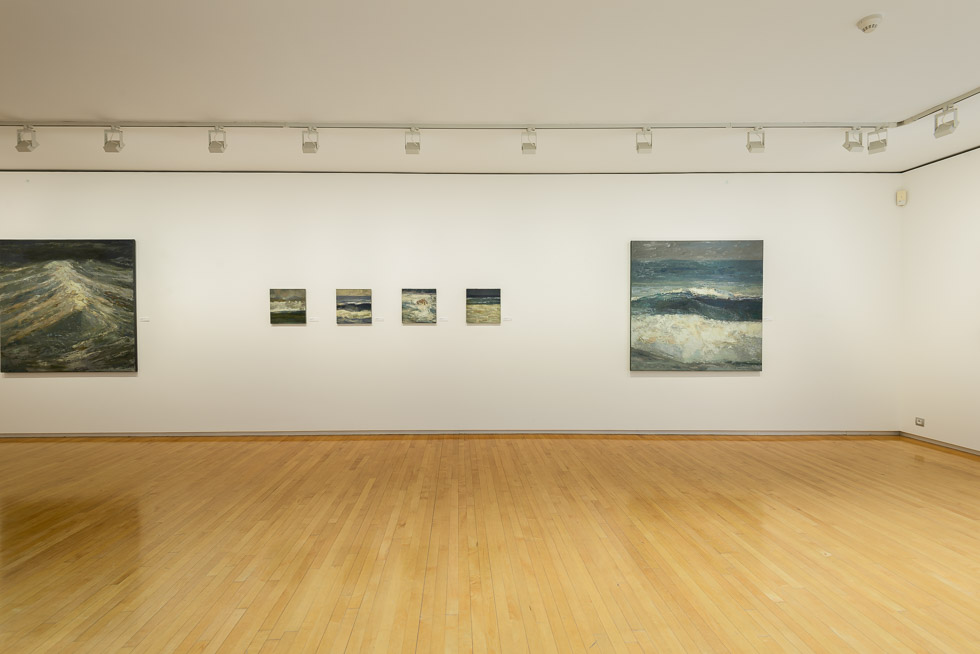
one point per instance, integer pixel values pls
(287, 306)
(67, 306)
(483, 306)
(353, 306)
(696, 305)
(418, 305)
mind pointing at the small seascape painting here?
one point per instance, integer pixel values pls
(696, 305)
(68, 306)
(287, 306)
(353, 306)
(483, 306)
(418, 305)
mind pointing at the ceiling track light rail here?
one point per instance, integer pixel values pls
(503, 126)
(471, 127)
(946, 122)
(939, 107)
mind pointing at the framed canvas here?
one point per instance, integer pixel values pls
(418, 306)
(353, 306)
(483, 306)
(696, 305)
(287, 306)
(68, 306)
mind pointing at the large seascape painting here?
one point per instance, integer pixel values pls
(696, 305)
(68, 306)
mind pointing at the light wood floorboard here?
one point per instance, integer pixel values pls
(533, 543)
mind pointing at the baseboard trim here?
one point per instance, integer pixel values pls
(932, 441)
(408, 432)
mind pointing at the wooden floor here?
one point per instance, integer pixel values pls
(488, 544)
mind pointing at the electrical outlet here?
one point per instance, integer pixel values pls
(920, 422)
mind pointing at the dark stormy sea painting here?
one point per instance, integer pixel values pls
(483, 306)
(418, 306)
(353, 306)
(67, 306)
(696, 305)
(287, 306)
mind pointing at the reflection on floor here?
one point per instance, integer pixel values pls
(497, 543)
(71, 539)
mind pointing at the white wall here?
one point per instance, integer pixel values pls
(940, 348)
(209, 247)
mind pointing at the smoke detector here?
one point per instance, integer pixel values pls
(870, 23)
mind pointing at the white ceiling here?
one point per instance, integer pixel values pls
(506, 62)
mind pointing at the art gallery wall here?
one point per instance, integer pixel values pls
(210, 246)
(940, 346)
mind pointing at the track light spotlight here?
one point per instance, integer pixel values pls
(644, 141)
(413, 141)
(26, 139)
(529, 141)
(217, 140)
(947, 121)
(755, 141)
(878, 141)
(112, 140)
(854, 140)
(311, 141)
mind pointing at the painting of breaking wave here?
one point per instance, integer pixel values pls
(696, 305)
(67, 306)
(353, 306)
(418, 306)
(483, 306)
(287, 306)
